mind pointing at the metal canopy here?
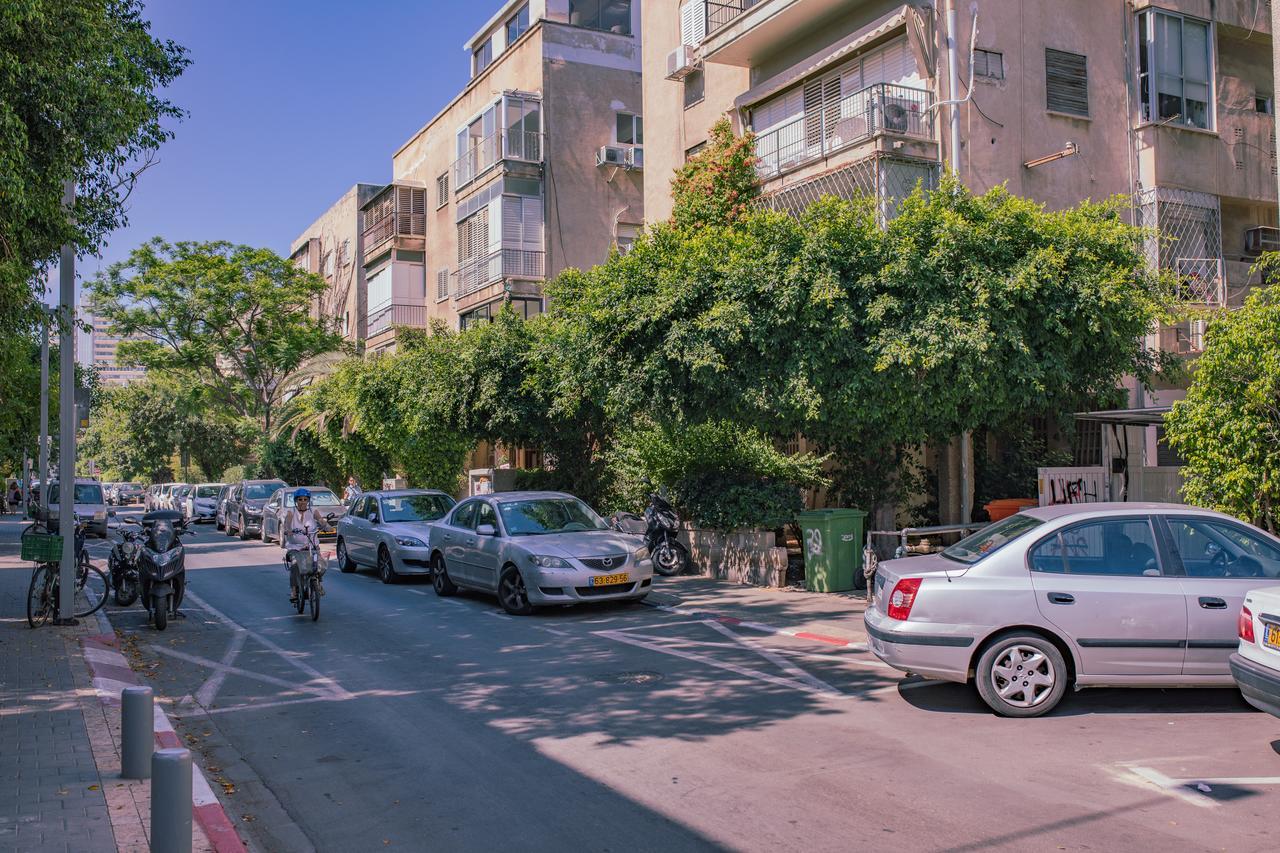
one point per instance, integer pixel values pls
(1153, 416)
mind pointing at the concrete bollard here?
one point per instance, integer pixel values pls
(171, 801)
(137, 740)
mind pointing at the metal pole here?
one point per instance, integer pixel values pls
(44, 403)
(137, 738)
(953, 85)
(67, 420)
(171, 801)
(1275, 65)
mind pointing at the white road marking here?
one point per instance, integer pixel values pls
(775, 659)
(1147, 777)
(556, 631)
(498, 615)
(417, 592)
(227, 669)
(208, 690)
(252, 706)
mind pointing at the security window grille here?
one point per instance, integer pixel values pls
(630, 129)
(988, 63)
(442, 190)
(1066, 82)
(1175, 67)
(518, 23)
(442, 285)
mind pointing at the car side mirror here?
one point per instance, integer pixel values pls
(486, 530)
(111, 513)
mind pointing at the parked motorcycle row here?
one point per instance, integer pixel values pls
(149, 562)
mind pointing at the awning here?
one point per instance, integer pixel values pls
(1153, 416)
(878, 28)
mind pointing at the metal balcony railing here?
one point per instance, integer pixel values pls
(721, 13)
(1201, 281)
(504, 263)
(878, 109)
(397, 314)
(524, 146)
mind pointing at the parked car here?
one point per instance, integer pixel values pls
(1256, 664)
(220, 507)
(199, 503)
(126, 494)
(1095, 595)
(108, 490)
(536, 548)
(178, 497)
(390, 531)
(89, 505)
(245, 503)
(164, 495)
(322, 498)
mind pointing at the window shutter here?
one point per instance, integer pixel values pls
(442, 284)
(532, 223)
(1066, 82)
(442, 190)
(693, 22)
(813, 112)
(512, 221)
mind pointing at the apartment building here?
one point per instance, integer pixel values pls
(102, 344)
(333, 247)
(535, 166)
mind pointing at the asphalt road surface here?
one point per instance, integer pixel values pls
(402, 720)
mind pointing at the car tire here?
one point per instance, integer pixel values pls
(386, 568)
(218, 525)
(244, 530)
(512, 594)
(345, 564)
(228, 529)
(265, 538)
(440, 580)
(1010, 656)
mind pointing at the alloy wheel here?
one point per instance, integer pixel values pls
(1023, 676)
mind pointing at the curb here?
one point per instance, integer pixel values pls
(111, 674)
(758, 626)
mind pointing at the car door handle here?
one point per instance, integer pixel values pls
(1061, 598)
(1211, 603)
(471, 542)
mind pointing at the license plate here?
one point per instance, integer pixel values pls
(1272, 638)
(610, 580)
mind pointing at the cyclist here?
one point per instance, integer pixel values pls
(297, 526)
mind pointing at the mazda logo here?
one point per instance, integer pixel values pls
(607, 561)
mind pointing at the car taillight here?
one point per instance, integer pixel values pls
(902, 597)
(1245, 625)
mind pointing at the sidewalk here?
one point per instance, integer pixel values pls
(825, 617)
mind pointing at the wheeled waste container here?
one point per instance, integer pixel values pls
(833, 549)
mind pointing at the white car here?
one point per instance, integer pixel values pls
(1256, 666)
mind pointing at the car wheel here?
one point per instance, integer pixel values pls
(386, 569)
(512, 594)
(345, 563)
(263, 534)
(1021, 675)
(244, 530)
(228, 528)
(440, 580)
(218, 525)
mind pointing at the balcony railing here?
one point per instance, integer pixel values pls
(1200, 281)
(882, 108)
(504, 263)
(525, 146)
(397, 314)
(721, 13)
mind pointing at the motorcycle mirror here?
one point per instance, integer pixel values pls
(111, 513)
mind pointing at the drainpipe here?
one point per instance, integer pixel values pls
(953, 89)
(1275, 63)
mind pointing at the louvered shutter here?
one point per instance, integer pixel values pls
(512, 221)
(813, 112)
(777, 111)
(1066, 82)
(693, 22)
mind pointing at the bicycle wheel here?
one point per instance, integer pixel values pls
(41, 601)
(92, 586)
(315, 598)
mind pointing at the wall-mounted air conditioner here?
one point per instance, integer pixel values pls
(611, 155)
(682, 62)
(1261, 239)
(635, 158)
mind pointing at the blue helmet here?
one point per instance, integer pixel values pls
(302, 493)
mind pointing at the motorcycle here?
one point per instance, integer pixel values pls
(659, 526)
(122, 562)
(162, 565)
(311, 568)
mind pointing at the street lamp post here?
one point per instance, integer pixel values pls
(67, 420)
(44, 403)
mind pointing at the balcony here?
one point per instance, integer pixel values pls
(502, 264)
(741, 32)
(397, 314)
(856, 118)
(397, 213)
(497, 147)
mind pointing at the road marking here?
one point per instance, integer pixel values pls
(417, 592)
(1172, 787)
(227, 669)
(208, 690)
(777, 660)
(498, 615)
(556, 631)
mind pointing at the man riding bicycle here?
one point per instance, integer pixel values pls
(297, 527)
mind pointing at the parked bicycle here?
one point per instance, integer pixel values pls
(92, 585)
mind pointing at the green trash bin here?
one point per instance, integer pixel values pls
(833, 549)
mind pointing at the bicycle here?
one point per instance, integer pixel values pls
(91, 583)
(311, 568)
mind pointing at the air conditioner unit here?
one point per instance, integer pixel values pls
(635, 158)
(611, 155)
(1261, 239)
(682, 62)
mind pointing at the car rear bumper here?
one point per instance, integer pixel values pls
(919, 649)
(1260, 685)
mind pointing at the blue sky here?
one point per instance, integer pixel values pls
(289, 104)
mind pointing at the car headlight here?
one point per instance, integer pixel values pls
(549, 562)
(642, 554)
(410, 542)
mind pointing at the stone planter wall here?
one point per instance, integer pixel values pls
(743, 556)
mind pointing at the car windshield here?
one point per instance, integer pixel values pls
(415, 507)
(548, 515)
(324, 497)
(973, 548)
(131, 487)
(260, 491)
(207, 491)
(86, 493)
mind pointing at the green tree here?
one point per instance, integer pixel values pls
(719, 184)
(79, 100)
(234, 317)
(1228, 426)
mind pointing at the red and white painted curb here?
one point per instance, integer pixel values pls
(760, 626)
(111, 674)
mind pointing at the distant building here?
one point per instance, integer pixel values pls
(102, 352)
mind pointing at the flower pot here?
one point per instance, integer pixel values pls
(1005, 507)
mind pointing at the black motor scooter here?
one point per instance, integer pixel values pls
(162, 565)
(659, 526)
(122, 562)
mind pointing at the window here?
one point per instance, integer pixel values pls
(612, 16)
(442, 285)
(464, 515)
(1066, 82)
(475, 317)
(694, 150)
(486, 515)
(695, 86)
(988, 63)
(627, 234)
(1263, 105)
(442, 190)
(481, 57)
(629, 129)
(523, 122)
(990, 539)
(326, 265)
(693, 22)
(473, 236)
(1210, 548)
(1123, 547)
(526, 309)
(518, 23)
(522, 223)
(1175, 62)
(344, 252)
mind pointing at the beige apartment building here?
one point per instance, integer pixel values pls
(535, 166)
(102, 343)
(333, 247)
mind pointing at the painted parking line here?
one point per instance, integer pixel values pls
(760, 626)
(1198, 791)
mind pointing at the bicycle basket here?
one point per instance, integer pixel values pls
(42, 547)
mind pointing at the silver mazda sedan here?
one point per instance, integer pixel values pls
(537, 548)
(1090, 595)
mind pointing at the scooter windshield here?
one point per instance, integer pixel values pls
(162, 536)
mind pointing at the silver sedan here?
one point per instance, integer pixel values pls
(389, 530)
(537, 548)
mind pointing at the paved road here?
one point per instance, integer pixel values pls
(405, 720)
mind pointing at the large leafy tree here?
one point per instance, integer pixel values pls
(79, 84)
(234, 317)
